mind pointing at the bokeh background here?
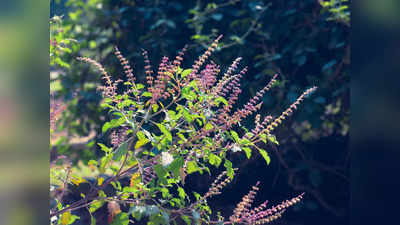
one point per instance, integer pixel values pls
(302, 40)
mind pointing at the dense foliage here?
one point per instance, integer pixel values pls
(307, 42)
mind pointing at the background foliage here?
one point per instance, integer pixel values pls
(307, 42)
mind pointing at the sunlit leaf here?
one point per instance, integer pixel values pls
(235, 136)
(65, 217)
(141, 142)
(208, 126)
(146, 94)
(229, 169)
(214, 160)
(78, 180)
(247, 150)
(121, 151)
(113, 123)
(265, 155)
(185, 73)
(165, 131)
(100, 181)
(192, 167)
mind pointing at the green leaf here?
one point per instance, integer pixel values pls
(249, 134)
(177, 201)
(176, 165)
(181, 193)
(235, 136)
(165, 131)
(263, 137)
(95, 205)
(186, 219)
(137, 211)
(126, 103)
(188, 117)
(229, 169)
(265, 155)
(120, 151)
(104, 148)
(92, 163)
(245, 141)
(192, 167)
(199, 122)
(102, 194)
(185, 73)
(141, 135)
(155, 107)
(73, 218)
(165, 192)
(208, 126)
(141, 142)
(247, 150)
(214, 160)
(188, 93)
(92, 220)
(197, 196)
(139, 86)
(172, 114)
(104, 161)
(272, 139)
(116, 185)
(147, 94)
(113, 123)
(120, 219)
(165, 216)
(181, 136)
(160, 171)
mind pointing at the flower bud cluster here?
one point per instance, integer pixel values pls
(179, 58)
(259, 126)
(289, 110)
(259, 215)
(147, 68)
(208, 76)
(269, 219)
(110, 89)
(158, 91)
(198, 63)
(117, 137)
(125, 64)
(56, 109)
(253, 105)
(243, 207)
(216, 187)
(236, 90)
(218, 88)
